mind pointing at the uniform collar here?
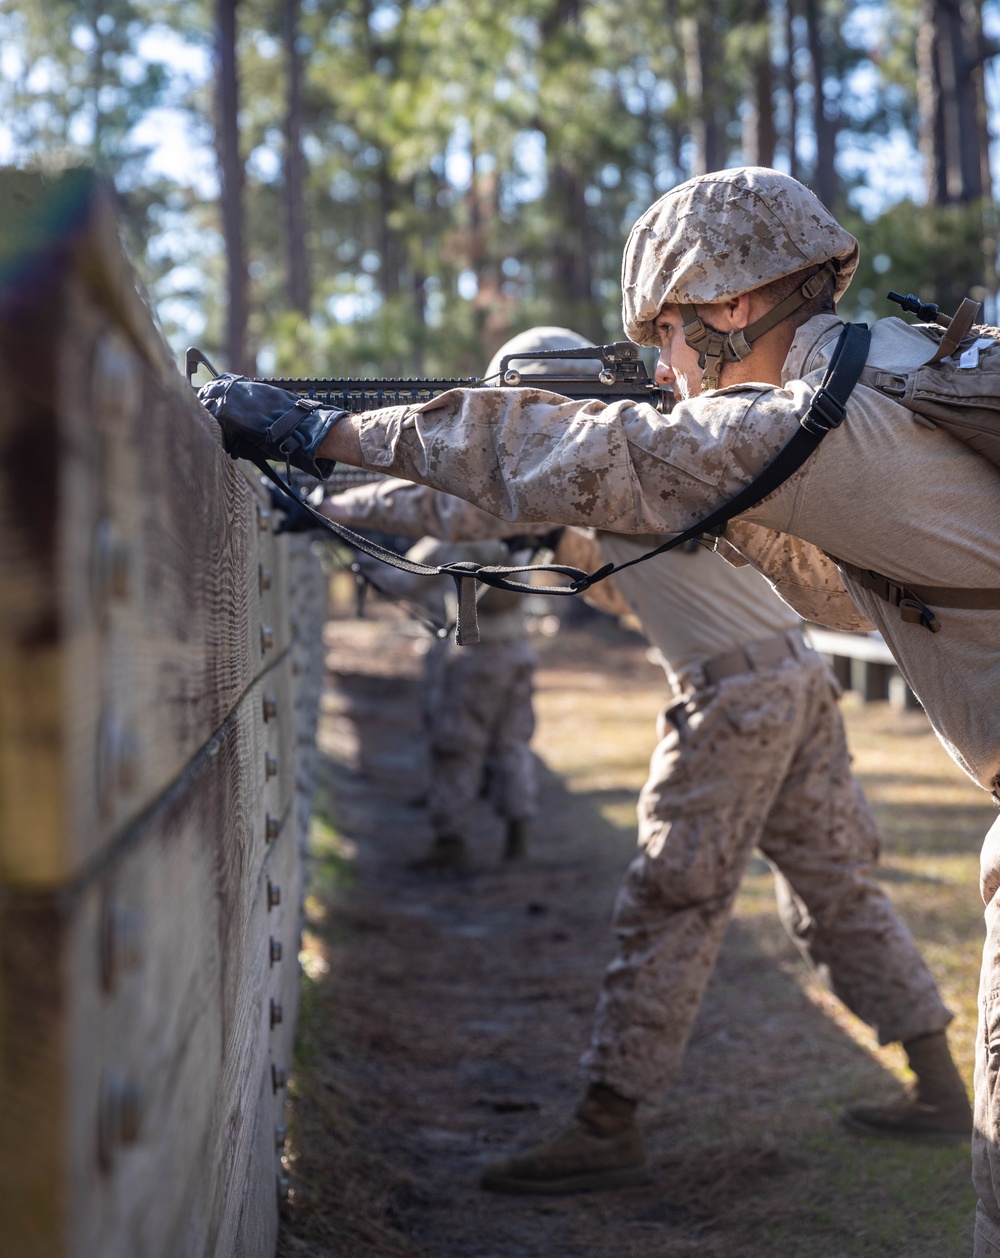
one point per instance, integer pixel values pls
(811, 347)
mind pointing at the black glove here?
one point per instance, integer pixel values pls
(273, 422)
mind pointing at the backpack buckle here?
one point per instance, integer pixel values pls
(824, 413)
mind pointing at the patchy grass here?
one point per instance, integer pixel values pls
(441, 1022)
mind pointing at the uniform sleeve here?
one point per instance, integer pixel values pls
(399, 506)
(807, 580)
(525, 454)
(579, 548)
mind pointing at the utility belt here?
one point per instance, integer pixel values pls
(753, 657)
(915, 602)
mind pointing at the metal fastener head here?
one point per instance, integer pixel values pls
(111, 564)
(266, 638)
(512, 377)
(121, 942)
(119, 1114)
(270, 707)
(116, 381)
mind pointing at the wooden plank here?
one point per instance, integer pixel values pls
(160, 657)
(133, 564)
(162, 986)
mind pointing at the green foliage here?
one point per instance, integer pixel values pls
(940, 253)
(472, 168)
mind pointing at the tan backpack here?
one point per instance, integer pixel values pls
(958, 391)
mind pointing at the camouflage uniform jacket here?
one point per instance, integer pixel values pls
(881, 493)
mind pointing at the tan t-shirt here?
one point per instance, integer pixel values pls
(692, 606)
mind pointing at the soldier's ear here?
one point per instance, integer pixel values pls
(738, 311)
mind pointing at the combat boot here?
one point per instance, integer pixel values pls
(515, 846)
(936, 1105)
(447, 854)
(600, 1149)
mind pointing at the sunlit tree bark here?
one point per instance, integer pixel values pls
(296, 226)
(951, 98)
(231, 171)
(824, 180)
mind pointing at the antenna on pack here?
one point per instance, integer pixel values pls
(926, 312)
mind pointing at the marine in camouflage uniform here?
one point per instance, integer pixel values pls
(752, 753)
(701, 268)
(478, 700)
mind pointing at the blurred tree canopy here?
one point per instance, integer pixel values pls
(380, 186)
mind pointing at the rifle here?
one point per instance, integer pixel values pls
(622, 376)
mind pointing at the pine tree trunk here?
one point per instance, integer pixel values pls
(760, 137)
(791, 85)
(697, 38)
(952, 101)
(824, 182)
(296, 249)
(231, 172)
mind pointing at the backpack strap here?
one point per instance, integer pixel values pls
(914, 601)
(961, 325)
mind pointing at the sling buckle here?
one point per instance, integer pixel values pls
(824, 414)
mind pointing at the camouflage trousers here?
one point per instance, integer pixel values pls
(986, 1132)
(480, 721)
(759, 760)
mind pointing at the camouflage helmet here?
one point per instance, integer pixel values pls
(546, 338)
(720, 235)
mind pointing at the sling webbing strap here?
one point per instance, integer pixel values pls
(826, 412)
(464, 572)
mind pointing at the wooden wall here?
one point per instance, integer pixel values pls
(159, 669)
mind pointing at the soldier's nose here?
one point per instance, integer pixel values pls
(664, 374)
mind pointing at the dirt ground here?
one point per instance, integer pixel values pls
(442, 1019)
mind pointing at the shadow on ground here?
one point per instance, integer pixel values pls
(446, 1030)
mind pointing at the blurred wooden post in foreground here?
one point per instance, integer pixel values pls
(159, 657)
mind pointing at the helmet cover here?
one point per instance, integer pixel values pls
(720, 235)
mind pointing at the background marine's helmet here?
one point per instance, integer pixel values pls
(720, 235)
(540, 338)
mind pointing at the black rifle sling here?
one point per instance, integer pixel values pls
(464, 572)
(826, 411)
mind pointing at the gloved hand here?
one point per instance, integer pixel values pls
(272, 421)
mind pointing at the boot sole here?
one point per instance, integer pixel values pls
(589, 1181)
(918, 1135)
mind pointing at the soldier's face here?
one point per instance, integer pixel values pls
(677, 367)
